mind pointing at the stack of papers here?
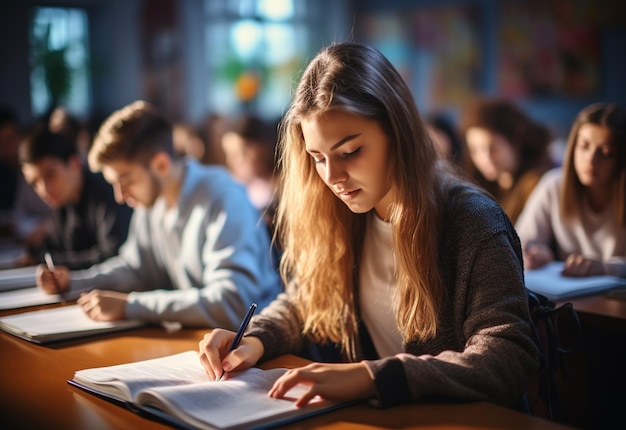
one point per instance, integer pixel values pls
(67, 322)
(25, 297)
(18, 289)
(11, 279)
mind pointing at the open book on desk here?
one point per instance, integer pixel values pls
(549, 281)
(66, 322)
(176, 389)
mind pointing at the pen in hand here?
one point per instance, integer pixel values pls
(239, 335)
(48, 258)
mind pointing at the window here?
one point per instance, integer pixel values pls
(255, 50)
(59, 60)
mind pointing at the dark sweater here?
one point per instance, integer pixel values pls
(89, 231)
(483, 349)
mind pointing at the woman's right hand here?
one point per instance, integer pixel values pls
(216, 357)
(536, 255)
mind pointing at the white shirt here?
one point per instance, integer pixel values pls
(595, 235)
(377, 283)
(201, 262)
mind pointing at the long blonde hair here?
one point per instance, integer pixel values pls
(321, 237)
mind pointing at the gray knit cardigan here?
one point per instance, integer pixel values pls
(483, 349)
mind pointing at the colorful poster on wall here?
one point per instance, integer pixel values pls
(548, 48)
(447, 42)
(387, 33)
(436, 49)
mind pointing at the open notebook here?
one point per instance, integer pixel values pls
(66, 322)
(18, 289)
(549, 282)
(176, 389)
(25, 297)
(21, 277)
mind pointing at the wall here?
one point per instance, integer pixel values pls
(557, 111)
(114, 46)
(14, 70)
(117, 54)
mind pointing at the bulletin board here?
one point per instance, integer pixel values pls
(548, 48)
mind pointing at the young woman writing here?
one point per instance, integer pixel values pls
(416, 274)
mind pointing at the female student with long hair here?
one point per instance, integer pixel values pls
(414, 273)
(577, 213)
(507, 151)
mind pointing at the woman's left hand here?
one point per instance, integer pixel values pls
(578, 265)
(337, 382)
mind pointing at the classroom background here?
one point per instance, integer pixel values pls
(198, 59)
(202, 62)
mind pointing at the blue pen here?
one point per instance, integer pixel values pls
(239, 335)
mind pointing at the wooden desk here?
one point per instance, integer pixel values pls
(601, 310)
(34, 392)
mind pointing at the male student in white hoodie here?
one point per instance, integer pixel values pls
(197, 250)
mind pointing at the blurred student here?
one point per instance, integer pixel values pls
(88, 225)
(577, 213)
(188, 142)
(249, 144)
(446, 138)
(507, 151)
(10, 137)
(413, 271)
(211, 131)
(195, 252)
(61, 121)
(24, 216)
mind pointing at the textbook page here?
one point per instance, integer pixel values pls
(21, 277)
(66, 322)
(238, 403)
(178, 386)
(549, 282)
(125, 381)
(24, 297)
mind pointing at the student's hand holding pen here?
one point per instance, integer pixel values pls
(53, 281)
(216, 356)
(342, 382)
(214, 349)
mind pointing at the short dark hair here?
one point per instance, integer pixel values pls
(42, 143)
